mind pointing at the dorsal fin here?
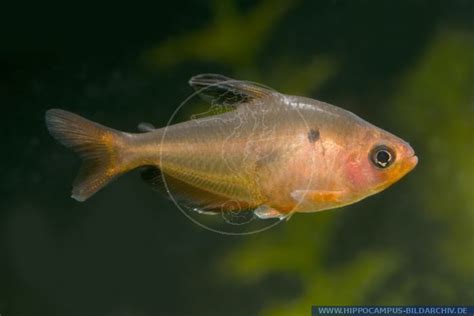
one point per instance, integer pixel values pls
(219, 89)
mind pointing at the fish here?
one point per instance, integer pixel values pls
(267, 152)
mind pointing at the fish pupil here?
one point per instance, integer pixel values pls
(383, 158)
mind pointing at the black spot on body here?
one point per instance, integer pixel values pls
(313, 135)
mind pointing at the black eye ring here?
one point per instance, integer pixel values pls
(382, 156)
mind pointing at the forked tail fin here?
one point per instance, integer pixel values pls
(97, 145)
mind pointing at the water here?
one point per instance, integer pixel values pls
(406, 66)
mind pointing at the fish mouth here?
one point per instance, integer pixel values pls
(412, 162)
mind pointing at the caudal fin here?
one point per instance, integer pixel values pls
(97, 145)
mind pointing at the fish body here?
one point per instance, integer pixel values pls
(273, 153)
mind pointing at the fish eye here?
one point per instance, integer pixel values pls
(382, 156)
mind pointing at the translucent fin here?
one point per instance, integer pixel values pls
(146, 127)
(219, 89)
(317, 200)
(193, 198)
(152, 175)
(266, 212)
(302, 196)
(97, 145)
(205, 212)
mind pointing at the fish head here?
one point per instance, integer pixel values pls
(378, 161)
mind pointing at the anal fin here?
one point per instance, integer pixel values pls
(193, 198)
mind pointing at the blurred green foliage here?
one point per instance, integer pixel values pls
(406, 66)
(231, 37)
(435, 105)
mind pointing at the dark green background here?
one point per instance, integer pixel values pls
(406, 66)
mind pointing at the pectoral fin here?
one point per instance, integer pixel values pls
(316, 196)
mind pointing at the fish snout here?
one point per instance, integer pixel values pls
(409, 159)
